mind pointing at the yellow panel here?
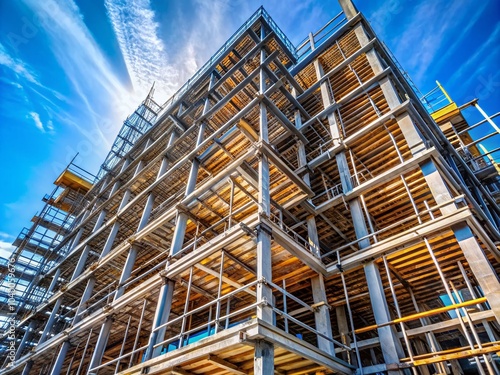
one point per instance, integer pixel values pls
(445, 112)
(71, 180)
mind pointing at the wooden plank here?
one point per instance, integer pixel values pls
(295, 249)
(461, 354)
(395, 242)
(180, 371)
(219, 362)
(225, 279)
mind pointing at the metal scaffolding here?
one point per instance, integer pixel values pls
(290, 210)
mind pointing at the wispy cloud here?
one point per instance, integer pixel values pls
(209, 23)
(26, 84)
(469, 21)
(384, 15)
(6, 236)
(433, 37)
(149, 59)
(488, 50)
(144, 52)
(21, 69)
(36, 119)
(99, 92)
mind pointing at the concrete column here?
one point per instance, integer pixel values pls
(89, 288)
(322, 314)
(129, 264)
(264, 351)
(26, 338)
(27, 368)
(348, 8)
(125, 199)
(412, 135)
(100, 345)
(161, 316)
(391, 347)
(480, 266)
(80, 266)
(87, 293)
(263, 362)
(264, 256)
(182, 218)
(76, 240)
(108, 245)
(58, 364)
(132, 255)
(478, 262)
(50, 321)
(438, 187)
(127, 271)
(53, 283)
(312, 233)
(100, 220)
(167, 290)
(264, 271)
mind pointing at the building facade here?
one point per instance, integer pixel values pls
(290, 210)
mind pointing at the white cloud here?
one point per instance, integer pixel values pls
(99, 92)
(6, 236)
(17, 66)
(27, 85)
(149, 59)
(469, 22)
(382, 17)
(425, 40)
(36, 119)
(485, 52)
(143, 51)
(6, 249)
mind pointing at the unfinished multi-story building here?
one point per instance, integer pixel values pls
(290, 210)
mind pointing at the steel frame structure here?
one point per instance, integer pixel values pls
(291, 211)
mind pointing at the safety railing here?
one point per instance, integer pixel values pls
(216, 321)
(261, 12)
(434, 100)
(305, 243)
(289, 318)
(320, 149)
(82, 173)
(304, 48)
(359, 177)
(429, 211)
(328, 194)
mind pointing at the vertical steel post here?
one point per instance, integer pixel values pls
(264, 351)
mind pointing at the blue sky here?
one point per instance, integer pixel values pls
(71, 71)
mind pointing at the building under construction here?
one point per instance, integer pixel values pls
(290, 210)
